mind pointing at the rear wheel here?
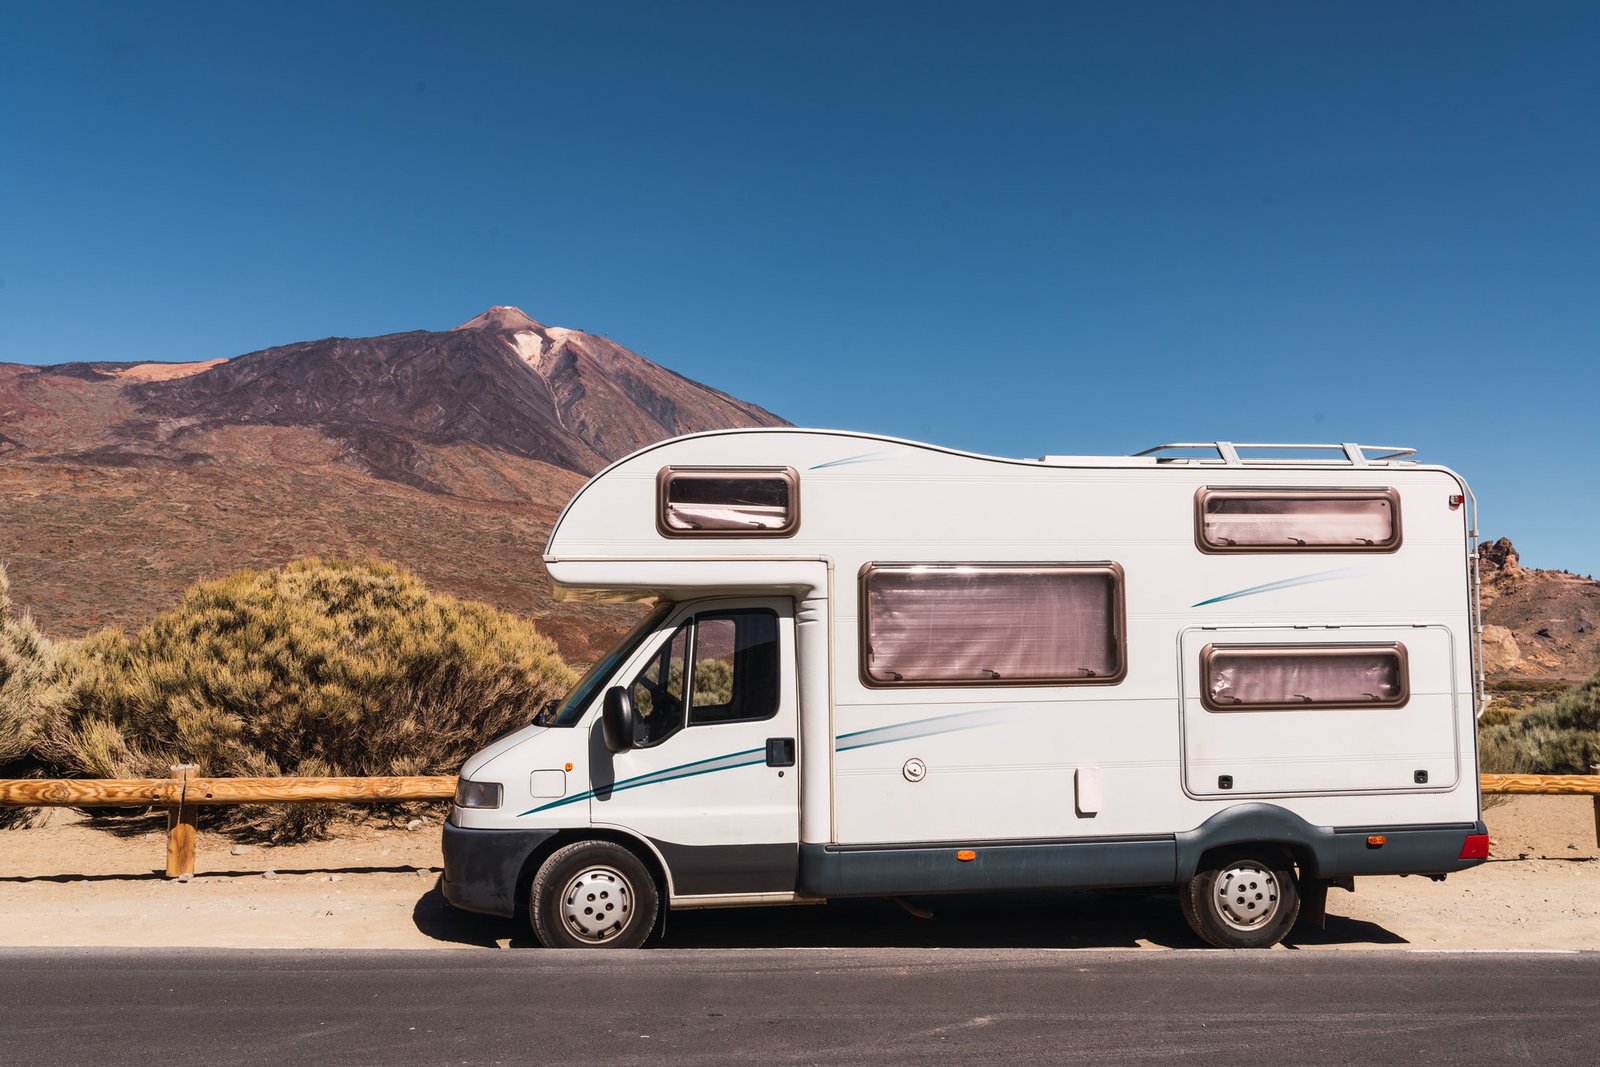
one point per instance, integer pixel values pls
(593, 894)
(1245, 898)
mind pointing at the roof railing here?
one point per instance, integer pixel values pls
(1230, 454)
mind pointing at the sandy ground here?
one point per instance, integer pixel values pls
(68, 883)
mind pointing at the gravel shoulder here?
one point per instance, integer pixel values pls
(68, 883)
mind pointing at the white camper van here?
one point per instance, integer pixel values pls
(880, 668)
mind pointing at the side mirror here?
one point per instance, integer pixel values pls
(617, 719)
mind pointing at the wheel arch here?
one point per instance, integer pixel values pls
(1265, 825)
(641, 848)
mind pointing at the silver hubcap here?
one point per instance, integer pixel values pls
(596, 904)
(1247, 895)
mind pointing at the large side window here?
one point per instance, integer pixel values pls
(991, 624)
(722, 666)
(727, 501)
(1289, 520)
(1282, 677)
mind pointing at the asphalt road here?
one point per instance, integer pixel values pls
(795, 1006)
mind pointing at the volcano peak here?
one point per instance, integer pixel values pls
(503, 318)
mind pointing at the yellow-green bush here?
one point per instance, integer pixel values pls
(28, 666)
(1556, 736)
(316, 668)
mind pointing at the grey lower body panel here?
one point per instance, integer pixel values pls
(1322, 852)
(713, 869)
(1407, 850)
(845, 872)
(1326, 851)
(481, 867)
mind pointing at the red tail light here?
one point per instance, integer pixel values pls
(1475, 847)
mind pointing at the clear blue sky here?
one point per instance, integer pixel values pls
(1011, 228)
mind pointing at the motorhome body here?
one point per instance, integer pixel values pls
(877, 667)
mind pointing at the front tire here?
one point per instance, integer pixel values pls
(1246, 898)
(593, 894)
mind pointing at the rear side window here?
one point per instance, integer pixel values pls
(727, 501)
(991, 624)
(1290, 520)
(1283, 677)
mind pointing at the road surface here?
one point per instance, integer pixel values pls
(800, 1006)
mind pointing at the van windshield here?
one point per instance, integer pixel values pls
(570, 710)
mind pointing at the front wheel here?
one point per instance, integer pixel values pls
(1245, 898)
(593, 894)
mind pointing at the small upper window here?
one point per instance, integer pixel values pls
(1305, 520)
(1268, 677)
(727, 501)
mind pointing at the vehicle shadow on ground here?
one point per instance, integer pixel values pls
(1084, 919)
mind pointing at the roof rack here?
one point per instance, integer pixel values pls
(1228, 453)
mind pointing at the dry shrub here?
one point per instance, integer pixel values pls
(1556, 736)
(28, 670)
(317, 668)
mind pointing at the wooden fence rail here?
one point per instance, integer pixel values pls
(184, 791)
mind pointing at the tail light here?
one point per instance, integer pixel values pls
(1475, 847)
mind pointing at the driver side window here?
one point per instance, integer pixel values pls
(657, 691)
(720, 667)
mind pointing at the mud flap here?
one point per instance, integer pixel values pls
(1314, 902)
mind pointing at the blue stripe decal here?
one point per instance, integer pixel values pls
(732, 760)
(865, 457)
(1287, 583)
(944, 724)
(877, 735)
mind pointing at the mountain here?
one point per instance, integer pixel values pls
(500, 380)
(1537, 624)
(449, 452)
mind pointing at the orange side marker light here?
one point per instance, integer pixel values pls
(966, 855)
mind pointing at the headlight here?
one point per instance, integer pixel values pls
(477, 794)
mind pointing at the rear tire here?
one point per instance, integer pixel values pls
(593, 894)
(1245, 898)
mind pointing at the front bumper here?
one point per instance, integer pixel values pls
(482, 867)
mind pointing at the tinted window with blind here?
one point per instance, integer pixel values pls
(1268, 677)
(991, 624)
(727, 502)
(1289, 520)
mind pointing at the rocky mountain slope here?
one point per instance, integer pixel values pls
(449, 452)
(501, 381)
(1537, 624)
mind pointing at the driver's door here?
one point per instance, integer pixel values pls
(713, 779)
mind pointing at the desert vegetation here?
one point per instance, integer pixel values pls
(29, 668)
(315, 668)
(1556, 735)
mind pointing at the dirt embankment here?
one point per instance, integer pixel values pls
(67, 883)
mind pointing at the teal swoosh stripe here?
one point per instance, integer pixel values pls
(1287, 583)
(944, 724)
(877, 735)
(865, 457)
(668, 774)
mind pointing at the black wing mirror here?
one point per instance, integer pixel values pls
(617, 720)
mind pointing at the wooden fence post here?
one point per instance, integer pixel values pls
(1595, 767)
(181, 826)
